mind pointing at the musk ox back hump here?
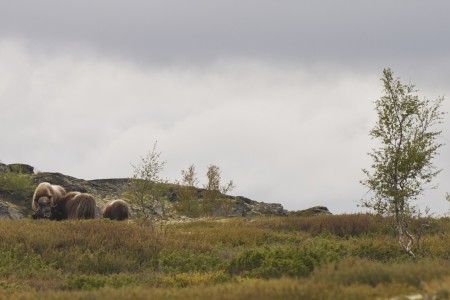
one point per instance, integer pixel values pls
(81, 206)
(59, 209)
(117, 210)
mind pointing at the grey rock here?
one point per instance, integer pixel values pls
(17, 168)
(243, 207)
(10, 211)
(99, 187)
(312, 211)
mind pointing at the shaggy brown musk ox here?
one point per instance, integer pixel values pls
(44, 198)
(74, 206)
(117, 210)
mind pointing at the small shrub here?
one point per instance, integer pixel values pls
(378, 249)
(100, 262)
(443, 294)
(274, 263)
(16, 187)
(246, 262)
(92, 282)
(18, 263)
(185, 260)
(12, 287)
(184, 280)
(84, 282)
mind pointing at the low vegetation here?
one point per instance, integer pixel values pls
(340, 257)
(16, 186)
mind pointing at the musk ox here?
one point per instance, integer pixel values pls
(116, 210)
(74, 206)
(44, 198)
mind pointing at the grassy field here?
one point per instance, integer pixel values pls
(322, 257)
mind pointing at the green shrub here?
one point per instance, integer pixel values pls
(12, 287)
(84, 282)
(443, 294)
(248, 261)
(275, 263)
(18, 263)
(100, 262)
(380, 250)
(16, 183)
(185, 260)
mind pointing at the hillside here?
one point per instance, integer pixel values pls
(106, 189)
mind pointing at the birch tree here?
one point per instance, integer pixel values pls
(402, 165)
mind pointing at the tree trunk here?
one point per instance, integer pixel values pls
(406, 245)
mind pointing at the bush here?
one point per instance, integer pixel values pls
(185, 260)
(16, 187)
(18, 263)
(275, 263)
(91, 282)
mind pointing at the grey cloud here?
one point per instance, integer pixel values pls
(344, 32)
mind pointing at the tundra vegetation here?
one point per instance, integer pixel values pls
(16, 185)
(320, 257)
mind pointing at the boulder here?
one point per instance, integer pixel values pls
(243, 207)
(312, 211)
(17, 168)
(10, 211)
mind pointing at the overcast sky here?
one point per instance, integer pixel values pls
(278, 94)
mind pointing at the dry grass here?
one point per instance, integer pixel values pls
(339, 257)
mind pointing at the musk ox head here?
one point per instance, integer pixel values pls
(43, 208)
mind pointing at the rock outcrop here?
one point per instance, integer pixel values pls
(312, 211)
(10, 211)
(243, 207)
(103, 188)
(17, 168)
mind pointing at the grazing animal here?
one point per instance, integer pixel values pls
(117, 210)
(44, 197)
(74, 206)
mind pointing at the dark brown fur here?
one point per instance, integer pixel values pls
(74, 206)
(117, 210)
(44, 197)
